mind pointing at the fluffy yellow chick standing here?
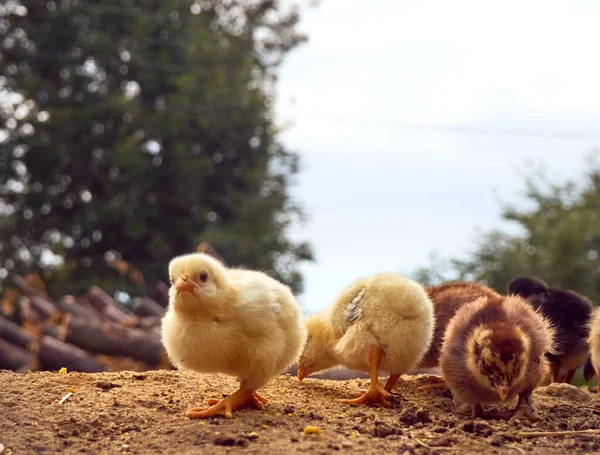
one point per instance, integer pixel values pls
(382, 322)
(233, 321)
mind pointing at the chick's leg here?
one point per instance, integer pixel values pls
(524, 408)
(375, 394)
(391, 382)
(569, 376)
(241, 397)
(477, 411)
(555, 372)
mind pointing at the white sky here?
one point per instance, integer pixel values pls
(374, 98)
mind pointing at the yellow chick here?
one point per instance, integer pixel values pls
(594, 342)
(233, 321)
(381, 322)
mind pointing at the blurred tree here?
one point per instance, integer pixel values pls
(136, 129)
(559, 240)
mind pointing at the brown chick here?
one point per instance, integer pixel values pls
(569, 313)
(493, 351)
(447, 299)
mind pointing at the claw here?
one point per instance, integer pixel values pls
(260, 398)
(524, 408)
(225, 407)
(374, 395)
(525, 413)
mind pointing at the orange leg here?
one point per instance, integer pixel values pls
(375, 394)
(262, 399)
(391, 382)
(241, 397)
(389, 385)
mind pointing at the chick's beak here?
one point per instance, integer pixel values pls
(302, 372)
(502, 391)
(182, 285)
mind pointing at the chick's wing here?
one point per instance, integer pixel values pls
(261, 300)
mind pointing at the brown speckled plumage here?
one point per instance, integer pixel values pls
(447, 299)
(512, 334)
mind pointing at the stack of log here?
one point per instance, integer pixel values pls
(87, 333)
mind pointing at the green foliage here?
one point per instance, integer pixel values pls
(559, 240)
(136, 130)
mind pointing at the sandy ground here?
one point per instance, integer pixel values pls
(144, 413)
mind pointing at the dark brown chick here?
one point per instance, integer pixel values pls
(447, 299)
(569, 313)
(493, 351)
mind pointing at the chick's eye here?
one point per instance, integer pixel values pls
(203, 277)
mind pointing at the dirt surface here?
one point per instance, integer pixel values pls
(143, 413)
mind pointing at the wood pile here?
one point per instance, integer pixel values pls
(88, 333)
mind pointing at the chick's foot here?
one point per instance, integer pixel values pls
(259, 398)
(240, 398)
(374, 395)
(262, 399)
(478, 412)
(524, 409)
(433, 383)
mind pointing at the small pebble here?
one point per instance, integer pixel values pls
(106, 385)
(229, 441)
(346, 445)
(442, 442)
